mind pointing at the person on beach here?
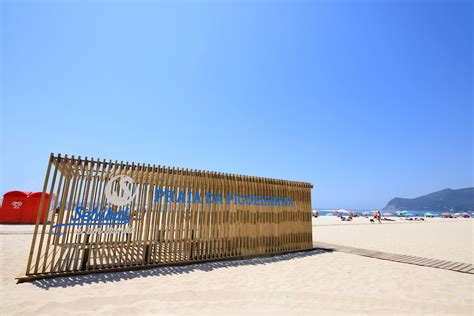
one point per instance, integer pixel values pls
(378, 216)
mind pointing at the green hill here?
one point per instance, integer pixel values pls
(444, 200)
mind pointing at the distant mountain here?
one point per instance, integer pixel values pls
(444, 200)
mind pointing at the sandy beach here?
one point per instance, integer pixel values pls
(306, 283)
(193, 142)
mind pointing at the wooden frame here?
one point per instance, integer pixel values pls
(162, 231)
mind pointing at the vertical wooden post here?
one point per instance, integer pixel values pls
(251, 220)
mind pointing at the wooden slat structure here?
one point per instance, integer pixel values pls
(419, 261)
(254, 217)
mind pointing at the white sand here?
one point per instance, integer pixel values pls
(311, 283)
(446, 239)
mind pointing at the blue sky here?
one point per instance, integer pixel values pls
(365, 100)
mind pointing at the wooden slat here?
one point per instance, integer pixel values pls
(163, 231)
(420, 261)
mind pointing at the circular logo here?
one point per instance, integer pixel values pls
(16, 204)
(118, 190)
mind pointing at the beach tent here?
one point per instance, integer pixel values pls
(13, 205)
(20, 207)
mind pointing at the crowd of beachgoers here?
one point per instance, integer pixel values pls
(402, 214)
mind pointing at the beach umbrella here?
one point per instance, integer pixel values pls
(402, 213)
(387, 214)
(365, 213)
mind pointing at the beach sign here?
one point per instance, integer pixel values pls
(113, 216)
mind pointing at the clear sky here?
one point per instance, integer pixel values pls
(367, 100)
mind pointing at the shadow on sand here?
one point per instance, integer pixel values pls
(162, 271)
